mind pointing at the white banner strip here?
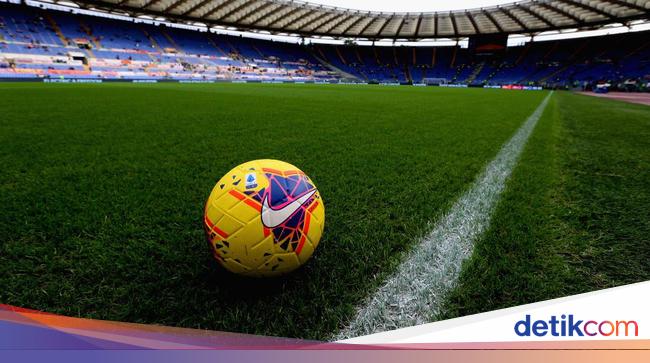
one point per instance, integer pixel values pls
(620, 313)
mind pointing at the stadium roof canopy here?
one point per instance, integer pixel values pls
(307, 19)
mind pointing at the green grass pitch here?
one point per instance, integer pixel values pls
(103, 186)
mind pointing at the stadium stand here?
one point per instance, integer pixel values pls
(561, 63)
(41, 44)
(49, 44)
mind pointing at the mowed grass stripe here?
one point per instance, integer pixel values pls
(416, 291)
(103, 188)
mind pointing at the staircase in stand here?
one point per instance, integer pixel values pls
(216, 46)
(56, 28)
(330, 66)
(233, 49)
(89, 53)
(459, 70)
(524, 52)
(374, 50)
(407, 73)
(259, 52)
(356, 50)
(453, 57)
(322, 55)
(477, 70)
(433, 57)
(171, 40)
(338, 52)
(89, 32)
(569, 63)
(494, 73)
(153, 42)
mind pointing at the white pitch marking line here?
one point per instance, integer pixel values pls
(415, 292)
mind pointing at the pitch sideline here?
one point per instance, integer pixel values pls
(415, 292)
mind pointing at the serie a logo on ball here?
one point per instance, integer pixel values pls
(264, 218)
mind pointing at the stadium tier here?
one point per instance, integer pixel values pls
(37, 44)
(562, 63)
(49, 44)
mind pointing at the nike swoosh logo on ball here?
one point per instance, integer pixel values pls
(272, 218)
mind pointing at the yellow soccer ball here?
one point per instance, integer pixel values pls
(264, 218)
